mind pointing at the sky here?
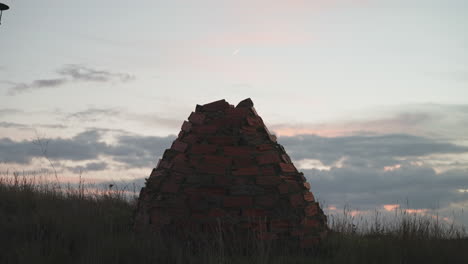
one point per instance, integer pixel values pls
(369, 97)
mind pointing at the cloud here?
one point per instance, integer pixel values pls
(94, 114)
(70, 73)
(12, 125)
(35, 85)
(132, 151)
(368, 188)
(9, 111)
(93, 166)
(85, 74)
(375, 150)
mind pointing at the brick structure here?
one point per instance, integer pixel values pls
(225, 167)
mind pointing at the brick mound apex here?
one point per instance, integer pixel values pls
(225, 166)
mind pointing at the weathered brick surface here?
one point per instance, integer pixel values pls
(268, 158)
(179, 146)
(246, 171)
(203, 149)
(241, 201)
(197, 118)
(226, 164)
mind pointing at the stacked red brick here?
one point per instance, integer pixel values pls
(225, 166)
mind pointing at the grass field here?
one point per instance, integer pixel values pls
(48, 223)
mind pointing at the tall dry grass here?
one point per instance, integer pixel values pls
(48, 222)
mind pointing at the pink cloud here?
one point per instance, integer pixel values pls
(391, 207)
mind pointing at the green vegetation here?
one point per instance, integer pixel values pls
(45, 223)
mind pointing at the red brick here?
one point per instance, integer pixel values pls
(205, 129)
(203, 149)
(244, 162)
(179, 146)
(182, 168)
(240, 181)
(222, 180)
(198, 192)
(268, 180)
(196, 118)
(254, 212)
(310, 223)
(311, 210)
(309, 197)
(293, 186)
(216, 106)
(267, 158)
(190, 139)
(249, 130)
(156, 173)
(186, 126)
(238, 151)
(177, 177)
(177, 212)
(283, 188)
(286, 158)
(266, 200)
(309, 242)
(170, 187)
(211, 169)
(268, 171)
(254, 121)
(223, 140)
(236, 112)
(246, 171)
(288, 177)
(307, 185)
(240, 201)
(265, 147)
(296, 200)
(218, 160)
(285, 167)
(180, 158)
(164, 164)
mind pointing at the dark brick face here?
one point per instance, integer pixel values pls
(268, 180)
(238, 151)
(226, 164)
(186, 126)
(296, 200)
(241, 201)
(246, 171)
(203, 149)
(179, 146)
(285, 167)
(197, 118)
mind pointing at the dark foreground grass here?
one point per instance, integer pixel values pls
(45, 224)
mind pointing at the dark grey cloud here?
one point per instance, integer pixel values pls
(130, 150)
(12, 125)
(375, 151)
(94, 114)
(31, 127)
(70, 73)
(35, 85)
(93, 166)
(369, 188)
(85, 74)
(139, 151)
